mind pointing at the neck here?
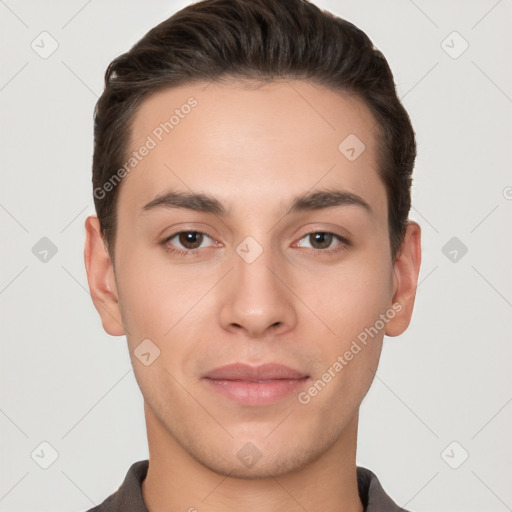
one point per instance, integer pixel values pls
(177, 481)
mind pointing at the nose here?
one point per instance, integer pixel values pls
(256, 299)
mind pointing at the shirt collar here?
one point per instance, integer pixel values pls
(128, 498)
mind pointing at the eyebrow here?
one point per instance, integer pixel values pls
(310, 201)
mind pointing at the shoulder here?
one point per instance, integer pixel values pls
(128, 497)
(372, 494)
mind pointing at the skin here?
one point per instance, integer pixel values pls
(254, 149)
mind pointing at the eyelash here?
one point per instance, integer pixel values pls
(344, 243)
(183, 252)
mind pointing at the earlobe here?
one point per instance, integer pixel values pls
(406, 269)
(100, 276)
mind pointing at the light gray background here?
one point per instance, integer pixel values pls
(448, 378)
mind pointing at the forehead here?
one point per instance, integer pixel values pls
(252, 143)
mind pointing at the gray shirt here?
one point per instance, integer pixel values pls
(128, 498)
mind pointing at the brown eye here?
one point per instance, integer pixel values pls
(190, 239)
(320, 240)
(323, 242)
(189, 243)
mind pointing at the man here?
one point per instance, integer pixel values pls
(252, 172)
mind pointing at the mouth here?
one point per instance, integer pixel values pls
(255, 385)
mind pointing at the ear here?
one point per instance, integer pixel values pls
(406, 268)
(100, 276)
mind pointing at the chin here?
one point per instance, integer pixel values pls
(257, 458)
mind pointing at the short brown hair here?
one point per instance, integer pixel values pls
(262, 40)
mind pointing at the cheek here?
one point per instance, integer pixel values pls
(348, 298)
(350, 302)
(155, 296)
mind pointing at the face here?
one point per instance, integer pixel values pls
(253, 257)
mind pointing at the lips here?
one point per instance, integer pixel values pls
(244, 372)
(255, 385)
